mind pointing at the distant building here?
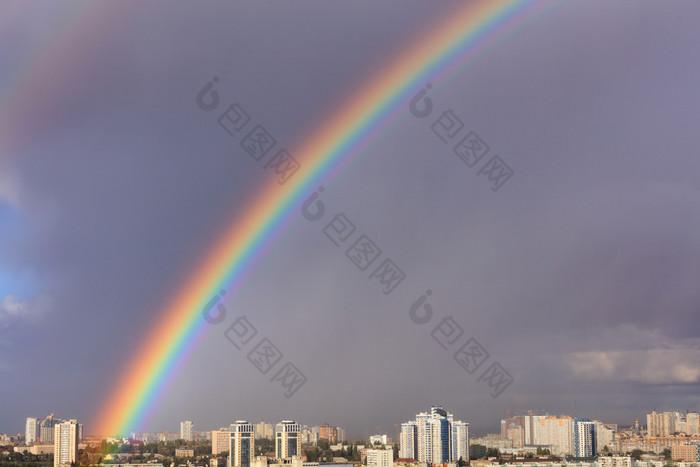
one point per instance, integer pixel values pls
(187, 430)
(460, 441)
(295, 461)
(309, 435)
(584, 438)
(374, 439)
(287, 439)
(693, 423)
(329, 433)
(661, 424)
(408, 440)
(66, 438)
(380, 457)
(434, 438)
(529, 423)
(31, 432)
(220, 441)
(183, 452)
(242, 444)
(604, 435)
(516, 435)
(36, 449)
(557, 432)
(264, 430)
(686, 453)
(615, 461)
(46, 429)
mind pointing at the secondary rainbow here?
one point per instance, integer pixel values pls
(349, 128)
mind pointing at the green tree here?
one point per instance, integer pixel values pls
(477, 451)
(312, 455)
(636, 454)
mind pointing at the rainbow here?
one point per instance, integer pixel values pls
(452, 42)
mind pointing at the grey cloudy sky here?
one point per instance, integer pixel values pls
(580, 275)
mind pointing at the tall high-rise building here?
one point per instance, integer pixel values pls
(660, 424)
(287, 439)
(557, 432)
(604, 435)
(516, 435)
(220, 441)
(187, 430)
(584, 438)
(264, 430)
(408, 441)
(431, 437)
(460, 441)
(242, 444)
(65, 448)
(692, 421)
(46, 429)
(329, 433)
(31, 432)
(380, 457)
(308, 435)
(522, 430)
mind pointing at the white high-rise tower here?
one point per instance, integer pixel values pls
(65, 443)
(187, 430)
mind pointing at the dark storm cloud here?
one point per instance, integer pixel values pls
(581, 266)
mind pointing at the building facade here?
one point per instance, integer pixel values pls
(264, 430)
(241, 449)
(287, 439)
(66, 438)
(557, 432)
(187, 430)
(408, 441)
(460, 441)
(686, 453)
(31, 431)
(220, 441)
(614, 461)
(434, 437)
(46, 429)
(584, 438)
(380, 457)
(329, 433)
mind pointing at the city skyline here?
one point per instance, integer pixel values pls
(658, 423)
